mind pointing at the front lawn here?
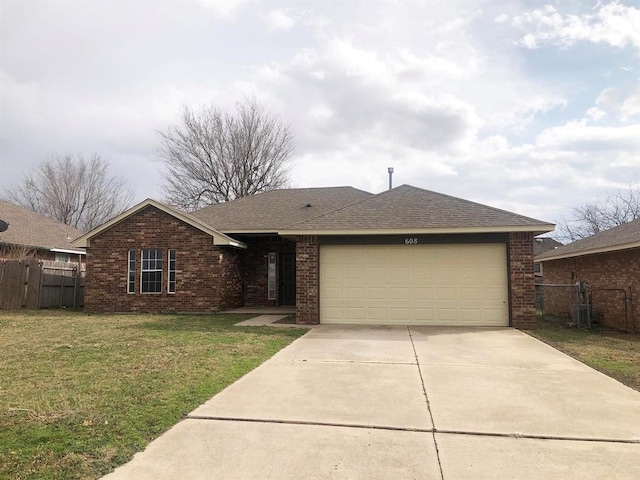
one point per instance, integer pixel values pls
(616, 354)
(80, 394)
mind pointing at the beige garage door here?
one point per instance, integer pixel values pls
(414, 284)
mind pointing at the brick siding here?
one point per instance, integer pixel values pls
(307, 280)
(522, 280)
(208, 277)
(618, 270)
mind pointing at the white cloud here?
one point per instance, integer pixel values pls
(282, 20)
(613, 23)
(578, 136)
(436, 89)
(223, 8)
(622, 103)
(631, 106)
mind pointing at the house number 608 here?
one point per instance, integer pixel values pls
(410, 241)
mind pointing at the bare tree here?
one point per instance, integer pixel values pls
(215, 156)
(77, 192)
(617, 208)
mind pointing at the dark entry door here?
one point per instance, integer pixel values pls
(287, 279)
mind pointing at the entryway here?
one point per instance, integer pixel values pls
(288, 278)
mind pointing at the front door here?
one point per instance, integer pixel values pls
(287, 279)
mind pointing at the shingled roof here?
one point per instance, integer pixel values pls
(31, 229)
(412, 209)
(276, 209)
(544, 244)
(618, 238)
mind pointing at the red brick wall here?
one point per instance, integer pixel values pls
(522, 280)
(307, 280)
(620, 270)
(255, 266)
(207, 279)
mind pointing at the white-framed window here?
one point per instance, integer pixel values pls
(171, 272)
(537, 268)
(131, 272)
(63, 257)
(271, 276)
(151, 271)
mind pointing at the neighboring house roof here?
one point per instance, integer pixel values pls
(414, 210)
(276, 209)
(34, 230)
(621, 237)
(544, 244)
(219, 238)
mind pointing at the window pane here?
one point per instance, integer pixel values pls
(131, 280)
(151, 272)
(171, 284)
(271, 277)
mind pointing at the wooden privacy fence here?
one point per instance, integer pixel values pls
(32, 284)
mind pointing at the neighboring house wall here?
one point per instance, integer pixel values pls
(208, 277)
(521, 280)
(618, 270)
(255, 267)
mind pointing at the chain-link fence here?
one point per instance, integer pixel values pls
(586, 307)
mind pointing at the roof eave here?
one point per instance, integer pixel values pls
(219, 238)
(68, 250)
(591, 251)
(536, 229)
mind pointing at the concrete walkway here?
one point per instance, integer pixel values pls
(407, 403)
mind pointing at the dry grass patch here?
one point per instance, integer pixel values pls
(80, 394)
(614, 353)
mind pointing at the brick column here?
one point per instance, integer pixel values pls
(522, 280)
(307, 280)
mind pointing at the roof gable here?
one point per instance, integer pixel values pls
(273, 210)
(218, 237)
(414, 210)
(621, 237)
(32, 229)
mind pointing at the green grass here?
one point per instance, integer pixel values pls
(616, 354)
(80, 394)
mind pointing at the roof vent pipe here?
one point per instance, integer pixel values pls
(390, 170)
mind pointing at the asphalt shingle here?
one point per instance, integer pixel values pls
(276, 209)
(29, 228)
(612, 239)
(408, 207)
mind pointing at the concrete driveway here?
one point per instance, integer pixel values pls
(407, 403)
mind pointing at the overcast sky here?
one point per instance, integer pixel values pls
(525, 105)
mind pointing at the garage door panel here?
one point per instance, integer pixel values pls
(415, 284)
(377, 313)
(355, 293)
(421, 272)
(357, 313)
(399, 293)
(331, 293)
(399, 315)
(423, 315)
(352, 273)
(446, 293)
(422, 293)
(375, 273)
(471, 293)
(492, 294)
